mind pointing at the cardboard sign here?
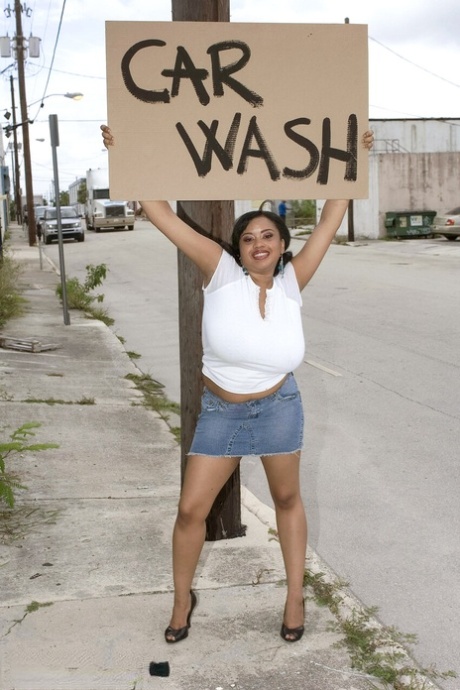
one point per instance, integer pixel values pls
(237, 111)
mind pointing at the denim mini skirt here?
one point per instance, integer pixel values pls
(268, 426)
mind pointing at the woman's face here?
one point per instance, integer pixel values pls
(261, 246)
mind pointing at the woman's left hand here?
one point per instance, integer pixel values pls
(368, 139)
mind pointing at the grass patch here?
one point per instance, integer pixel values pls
(56, 401)
(376, 650)
(155, 399)
(11, 301)
(35, 605)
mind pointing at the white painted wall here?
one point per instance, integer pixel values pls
(416, 135)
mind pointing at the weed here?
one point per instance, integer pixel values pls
(31, 608)
(18, 444)
(133, 355)
(86, 401)
(176, 432)
(376, 650)
(47, 401)
(100, 314)
(14, 524)
(155, 399)
(327, 593)
(11, 302)
(35, 605)
(80, 295)
(57, 401)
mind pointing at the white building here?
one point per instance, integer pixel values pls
(73, 195)
(414, 166)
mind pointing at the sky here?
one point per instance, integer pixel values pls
(414, 54)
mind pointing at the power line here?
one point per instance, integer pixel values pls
(54, 51)
(62, 71)
(433, 74)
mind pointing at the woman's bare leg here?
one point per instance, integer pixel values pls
(283, 478)
(203, 479)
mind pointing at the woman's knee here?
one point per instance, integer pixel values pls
(190, 513)
(286, 499)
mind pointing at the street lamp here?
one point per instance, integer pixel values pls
(32, 230)
(74, 95)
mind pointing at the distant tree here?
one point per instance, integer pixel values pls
(82, 193)
(304, 210)
(64, 198)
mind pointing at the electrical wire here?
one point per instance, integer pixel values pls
(54, 54)
(401, 57)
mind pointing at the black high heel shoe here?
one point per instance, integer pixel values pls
(173, 635)
(293, 634)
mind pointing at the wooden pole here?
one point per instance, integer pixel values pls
(216, 217)
(16, 176)
(20, 48)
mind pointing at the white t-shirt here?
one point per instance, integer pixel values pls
(242, 351)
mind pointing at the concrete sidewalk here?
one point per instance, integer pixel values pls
(91, 540)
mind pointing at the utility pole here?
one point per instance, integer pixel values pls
(350, 215)
(20, 48)
(17, 181)
(216, 217)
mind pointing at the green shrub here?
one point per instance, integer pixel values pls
(19, 443)
(11, 302)
(79, 295)
(304, 211)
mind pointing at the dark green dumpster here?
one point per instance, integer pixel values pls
(409, 223)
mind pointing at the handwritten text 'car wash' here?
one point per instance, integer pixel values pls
(254, 143)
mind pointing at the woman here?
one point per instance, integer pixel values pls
(252, 341)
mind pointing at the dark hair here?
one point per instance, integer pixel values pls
(242, 223)
(233, 248)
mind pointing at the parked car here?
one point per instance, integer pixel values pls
(448, 224)
(70, 225)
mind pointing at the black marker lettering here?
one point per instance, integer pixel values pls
(142, 94)
(185, 69)
(307, 144)
(350, 156)
(224, 154)
(262, 152)
(221, 74)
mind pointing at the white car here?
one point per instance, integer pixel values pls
(448, 224)
(71, 226)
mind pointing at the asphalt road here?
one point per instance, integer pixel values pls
(381, 390)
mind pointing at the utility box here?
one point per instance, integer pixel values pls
(409, 223)
(34, 46)
(5, 46)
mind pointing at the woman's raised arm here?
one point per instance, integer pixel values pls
(203, 251)
(310, 256)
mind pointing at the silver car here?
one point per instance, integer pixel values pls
(71, 226)
(448, 224)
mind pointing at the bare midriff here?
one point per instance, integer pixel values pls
(240, 397)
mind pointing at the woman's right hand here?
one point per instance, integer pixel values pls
(107, 136)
